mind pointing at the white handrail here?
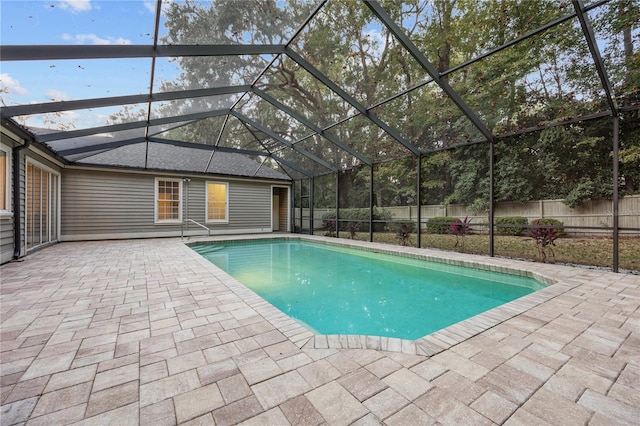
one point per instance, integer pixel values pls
(184, 222)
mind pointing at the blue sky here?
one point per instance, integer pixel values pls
(65, 22)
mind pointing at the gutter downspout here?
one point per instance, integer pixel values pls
(17, 216)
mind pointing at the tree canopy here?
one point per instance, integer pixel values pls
(346, 92)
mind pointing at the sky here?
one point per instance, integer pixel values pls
(85, 22)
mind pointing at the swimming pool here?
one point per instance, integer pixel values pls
(342, 290)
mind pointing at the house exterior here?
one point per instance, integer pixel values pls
(118, 194)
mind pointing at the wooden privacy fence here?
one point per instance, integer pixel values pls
(595, 214)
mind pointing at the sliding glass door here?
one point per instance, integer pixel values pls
(41, 190)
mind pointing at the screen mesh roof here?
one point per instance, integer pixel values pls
(305, 87)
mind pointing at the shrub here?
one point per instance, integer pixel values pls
(440, 225)
(547, 221)
(506, 221)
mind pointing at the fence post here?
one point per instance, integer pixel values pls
(541, 209)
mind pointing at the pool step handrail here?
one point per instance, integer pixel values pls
(184, 223)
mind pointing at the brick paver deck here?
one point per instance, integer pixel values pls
(148, 332)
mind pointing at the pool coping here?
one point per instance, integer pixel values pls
(557, 278)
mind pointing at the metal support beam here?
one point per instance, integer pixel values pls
(99, 147)
(377, 10)
(312, 183)
(419, 197)
(614, 202)
(240, 151)
(128, 126)
(310, 125)
(587, 30)
(47, 107)
(152, 74)
(337, 204)
(290, 165)
(217, 142)
(60, 52)
(491, 198)
(371, 205)
(267, 152)
(349, 99)
(282, 140)
(260, 153)
(292, 206)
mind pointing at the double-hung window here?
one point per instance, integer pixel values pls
(168, 205)
(217, 208)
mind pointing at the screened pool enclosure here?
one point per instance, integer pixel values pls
(433, 123)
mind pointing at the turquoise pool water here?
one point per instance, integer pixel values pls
(340, 290)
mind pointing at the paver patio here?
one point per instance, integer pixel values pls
(148, 332)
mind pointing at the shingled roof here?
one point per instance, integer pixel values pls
(184, 157)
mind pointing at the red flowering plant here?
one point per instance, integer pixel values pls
(460, 229)
(329, 226)
(545, 237)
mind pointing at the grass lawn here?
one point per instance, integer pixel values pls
(583, 250)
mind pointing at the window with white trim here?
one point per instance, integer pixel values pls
(5, 179)
(217, 208)
(168, 206)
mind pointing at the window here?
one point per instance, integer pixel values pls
(217, 202)
(42, 193)
(168, 200)
(5, 188)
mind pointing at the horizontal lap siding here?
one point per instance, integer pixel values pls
(249, 206)
(194, 197)
(6, 219)
(6, 236)
(107, 203)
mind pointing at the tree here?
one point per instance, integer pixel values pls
(540, 80)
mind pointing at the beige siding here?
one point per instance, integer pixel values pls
(100, 205)
(6, 219)
(195, 194)
(249, 206)
(107, 203)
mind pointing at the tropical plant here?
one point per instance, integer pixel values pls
(460, 229)
(352, 227)
(403, 233)
(329, 226)
(556, 224)
(545, 237)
